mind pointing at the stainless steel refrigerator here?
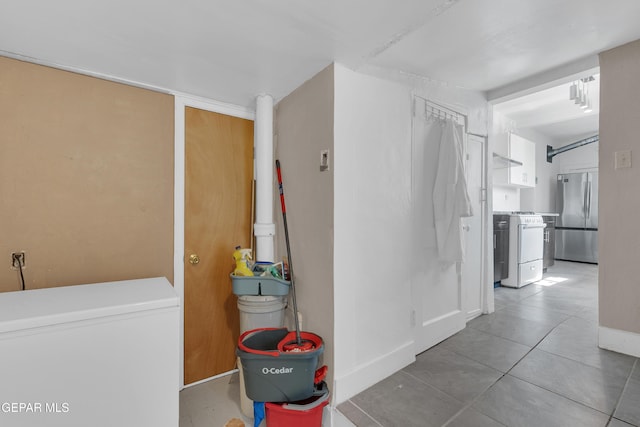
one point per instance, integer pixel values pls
(577, 223)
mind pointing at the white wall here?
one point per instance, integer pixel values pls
(350, 228)
(505, 198)
(581, 159)
(373, 235)
(372, 135)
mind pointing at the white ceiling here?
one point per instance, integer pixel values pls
(232, 50)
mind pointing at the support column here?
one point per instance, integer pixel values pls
(264, 228)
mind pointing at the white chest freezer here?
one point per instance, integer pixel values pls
(104, 354)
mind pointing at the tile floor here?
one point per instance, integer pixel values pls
(213, 403)
(534, 362)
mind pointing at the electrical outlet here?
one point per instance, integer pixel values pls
(18, 260)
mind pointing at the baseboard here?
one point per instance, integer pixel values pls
(619, 341)
(374, 371)
(438, 329)
(473, 314)
(331, 417)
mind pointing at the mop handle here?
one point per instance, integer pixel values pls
(286, 237)
(284, 208)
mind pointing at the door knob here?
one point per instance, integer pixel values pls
(465, 227)
(194, 259)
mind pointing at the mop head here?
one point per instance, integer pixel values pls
(294, 347)
(307, 342)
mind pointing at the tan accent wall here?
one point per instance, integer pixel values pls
(86, 178)
(304, 127)
(619, 209)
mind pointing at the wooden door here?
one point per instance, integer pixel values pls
(218, 181)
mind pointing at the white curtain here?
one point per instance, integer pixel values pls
(450, 197)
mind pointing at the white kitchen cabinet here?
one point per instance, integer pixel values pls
(523, 151)
(518, 167)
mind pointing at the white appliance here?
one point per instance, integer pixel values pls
(97, 355)
(526, 248)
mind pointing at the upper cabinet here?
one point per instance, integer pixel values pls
(519, 164)
(523, 151)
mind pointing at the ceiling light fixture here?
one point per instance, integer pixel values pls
(585, 100)
(579, 93)
(589, 107)
(573, 91)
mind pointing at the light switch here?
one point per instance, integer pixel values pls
(324, 160)
(622, 159)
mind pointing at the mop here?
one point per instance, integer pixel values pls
(288, 343)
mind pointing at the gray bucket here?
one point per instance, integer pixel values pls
(272, 375)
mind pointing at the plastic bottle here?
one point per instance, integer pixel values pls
(242, 257)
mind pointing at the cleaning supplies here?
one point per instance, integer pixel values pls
(267, 269)
(242, 257)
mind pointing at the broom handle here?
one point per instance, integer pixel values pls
(286, 238)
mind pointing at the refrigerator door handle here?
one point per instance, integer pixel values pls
(584, 200)
(588, 213)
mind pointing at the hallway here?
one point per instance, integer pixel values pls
(534, 362)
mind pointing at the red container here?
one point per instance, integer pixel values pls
(307, 413)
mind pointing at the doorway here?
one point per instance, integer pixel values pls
(444, 297)
(550, 118)
(472, 271)
(213, 175)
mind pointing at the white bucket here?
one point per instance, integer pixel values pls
(257, 312)
(260, 312)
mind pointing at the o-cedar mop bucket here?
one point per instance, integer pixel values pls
(276, 375)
